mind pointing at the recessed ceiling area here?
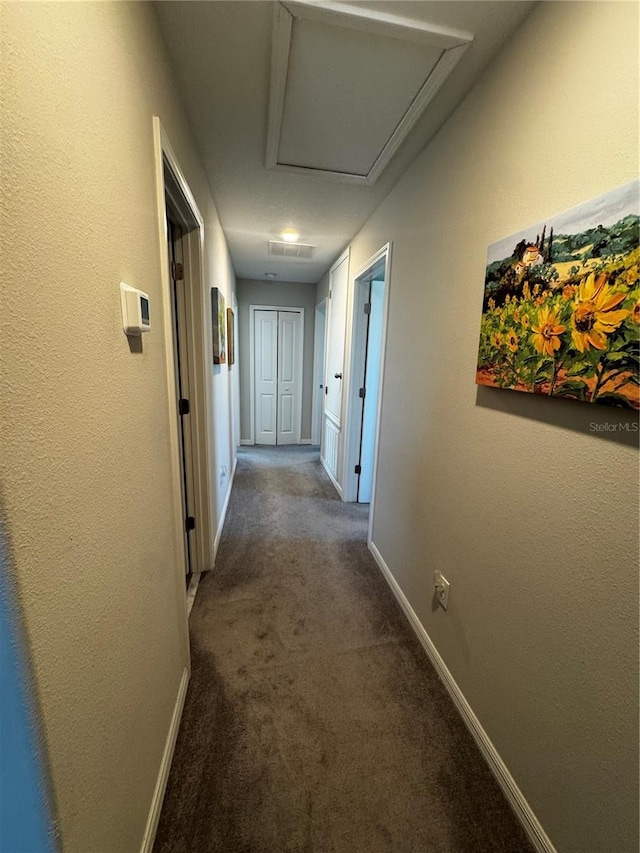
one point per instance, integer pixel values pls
(345, 90)
(338, 116)
(343, 97)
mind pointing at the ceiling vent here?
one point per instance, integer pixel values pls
(291, 250)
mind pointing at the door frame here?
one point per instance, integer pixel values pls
(234, 370)
(353, 423)
(172, 184)
(252, 375)
(317, 410)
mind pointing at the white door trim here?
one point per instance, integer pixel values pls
(201, 393)
(252, 375)
(353, 401)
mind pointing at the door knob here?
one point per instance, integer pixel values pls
(338, 376)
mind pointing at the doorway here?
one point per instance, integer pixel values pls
(374, 294)
(370, 302)
(277, 338)
(186, 313)
(175, 236)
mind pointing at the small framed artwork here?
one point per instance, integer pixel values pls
(231, 344)
(218, 326)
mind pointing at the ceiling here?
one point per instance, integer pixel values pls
(306, 114)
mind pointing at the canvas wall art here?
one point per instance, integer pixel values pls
(231, 343)
(218, 326)
(561, 308)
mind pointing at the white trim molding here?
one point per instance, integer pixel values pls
(530, 823)
(165, 765)
(453, 44)
(223, 514)
(192, 591)
(336, 484)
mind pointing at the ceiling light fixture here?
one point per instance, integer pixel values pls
(270, 275)
(290, 235)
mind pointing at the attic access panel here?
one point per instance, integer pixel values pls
(348, 85)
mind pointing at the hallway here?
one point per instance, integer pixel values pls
(314, 720)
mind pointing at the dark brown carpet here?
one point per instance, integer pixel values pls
(314, 721)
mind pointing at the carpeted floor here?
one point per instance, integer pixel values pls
(314, 721)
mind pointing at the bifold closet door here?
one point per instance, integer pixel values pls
(278, 376)
(265, 350)
(289, 380)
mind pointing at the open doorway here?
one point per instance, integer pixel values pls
(184, 395)
(186, 308)
(370, 301)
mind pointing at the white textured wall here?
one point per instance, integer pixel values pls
(532, 517)
(84, 449)
(285, 294)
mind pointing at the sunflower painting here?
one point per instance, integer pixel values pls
(561, 309)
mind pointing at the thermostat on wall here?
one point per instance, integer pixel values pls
(135, 310)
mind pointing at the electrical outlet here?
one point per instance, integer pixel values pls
(442, 589)
(223, 473)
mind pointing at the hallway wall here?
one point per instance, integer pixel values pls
(285, 294)
(529, 513)
(84, 449)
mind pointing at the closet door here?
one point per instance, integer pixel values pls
(265, 351)
(289, 377)
(336, 333)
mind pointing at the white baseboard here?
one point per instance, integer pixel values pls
(165, 766)
(225, 507)
(305, 441)
(336, 484)
(192, 591)
(244, 441)
(512, 792)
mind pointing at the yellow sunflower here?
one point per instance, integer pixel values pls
(635, 313)
(512, 341)
(524, 322)
(496, 339)
(546, 334)
(593, 315)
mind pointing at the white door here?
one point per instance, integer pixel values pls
(265, 347)
(318, 372)
(277, 368)
(337, 311)
(289, 378)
